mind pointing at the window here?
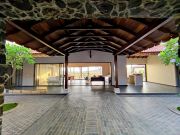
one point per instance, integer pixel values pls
(83, 72)
(49, 74)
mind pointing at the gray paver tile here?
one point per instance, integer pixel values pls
(92, 113)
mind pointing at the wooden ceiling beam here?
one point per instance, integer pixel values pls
(106, 37)
(166, 30)
(88, 36)
(92, 46)
(14, 32)
(110, 43)
(114, 45)
(112, 22)
(66, 23)
(82, 40)
(63, 37)
(92, 41)
(100, 23)
(114, 35)
(118, 47)
(161, 29)
(34, 36)
(89, 28)
(145, 33)
(96, 49)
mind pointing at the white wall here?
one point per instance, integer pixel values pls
(122, 70)
(79, 57)
(54, 59)
(28, 75)
(160, 73)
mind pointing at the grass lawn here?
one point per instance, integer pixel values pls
(178, 108)
(9, 106)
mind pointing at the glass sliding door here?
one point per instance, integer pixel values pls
(95, 71)
(75, 72)
(81, 73)
(136, 69)
(49, 74)
(85, 72)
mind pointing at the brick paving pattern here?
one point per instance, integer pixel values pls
(94, 113)
(29, 109)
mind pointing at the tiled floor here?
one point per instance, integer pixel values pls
(147, 87)
(92, 111)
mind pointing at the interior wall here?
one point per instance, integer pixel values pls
(79, 57)
(160, 73)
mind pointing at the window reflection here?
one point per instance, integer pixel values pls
(49, 74)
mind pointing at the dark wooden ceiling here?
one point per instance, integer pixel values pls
(117, 36)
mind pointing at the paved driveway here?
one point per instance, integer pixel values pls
(86, 112)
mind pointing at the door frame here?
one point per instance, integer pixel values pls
(95, 62)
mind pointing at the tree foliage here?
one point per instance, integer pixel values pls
(16, 56)
(170, 54)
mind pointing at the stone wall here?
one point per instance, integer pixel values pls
(3, 66)
(67, 9)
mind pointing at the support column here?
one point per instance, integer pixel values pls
(116, 88)
(66, 71)
(3, 66)
(116, 71)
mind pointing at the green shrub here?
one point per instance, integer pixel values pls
(178, 108)
(9, 106)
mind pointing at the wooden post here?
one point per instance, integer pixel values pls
(3, 66)
(116, 71)
(66, 71)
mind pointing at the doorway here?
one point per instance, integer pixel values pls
(89, 74)
(136, 69)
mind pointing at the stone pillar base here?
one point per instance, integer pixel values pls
(116, 90)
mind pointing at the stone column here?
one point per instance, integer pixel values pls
(3, 66)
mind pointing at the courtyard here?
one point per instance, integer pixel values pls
(87, 111)
(90, 67)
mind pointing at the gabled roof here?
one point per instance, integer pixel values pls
(117, 36)
(155, 49)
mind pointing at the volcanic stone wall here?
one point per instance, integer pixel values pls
(67, 9)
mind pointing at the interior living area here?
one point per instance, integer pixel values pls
(89, 74)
